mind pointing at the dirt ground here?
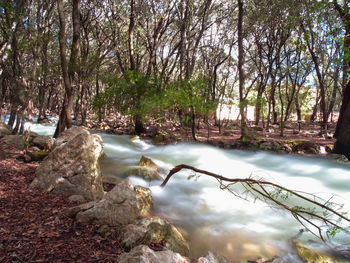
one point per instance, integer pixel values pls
(32, 229)
(230, 131)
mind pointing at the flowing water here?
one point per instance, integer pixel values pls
(214, 219)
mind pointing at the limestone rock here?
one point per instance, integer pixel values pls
(33, 135)
(163, 137)
(4, 129)
(43, 142)
(147, 162)
(35, 156)
(73, 168)
(271, 146)
(69, 134)
(14, 141)
(110, 179)
(77, 198)
(44, 120)
(213, 258)
(143, 254)
(143, 172)
(122, 205)
(307, 147)
(310, 255)
(338, 157)
(155, 230)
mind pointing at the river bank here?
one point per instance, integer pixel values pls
(302, 138)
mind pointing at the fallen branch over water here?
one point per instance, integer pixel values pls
(323, 218)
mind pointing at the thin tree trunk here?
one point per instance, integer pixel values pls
(98, 92)
(193, 124)
(65, 120)
(240, 68)
(13, 114)
(131, 35)
(297, 106)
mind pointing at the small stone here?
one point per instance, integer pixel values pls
(77, 198)
(143, 254)
(147, 162)
(154, 230)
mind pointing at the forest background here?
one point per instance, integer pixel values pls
(181, 61)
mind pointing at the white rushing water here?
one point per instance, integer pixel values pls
(214, 219)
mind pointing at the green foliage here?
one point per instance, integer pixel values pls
(26, 143)
(133, 94)
(188, 94)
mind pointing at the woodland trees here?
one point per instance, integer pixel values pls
(175, 59)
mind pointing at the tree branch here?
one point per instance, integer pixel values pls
(329, 218)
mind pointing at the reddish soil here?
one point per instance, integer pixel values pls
(32, 229)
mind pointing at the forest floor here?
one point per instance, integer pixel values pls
(309, 132)
(32, 229)
(230, 132)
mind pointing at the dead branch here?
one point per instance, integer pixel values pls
(329, 219)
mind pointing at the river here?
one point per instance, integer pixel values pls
(214, 219)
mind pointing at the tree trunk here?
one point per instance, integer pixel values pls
(97, 93)
(342, 145)
(297, 107)
(131, 35)
(193, 123)
(13, 114)
(258, 105)
(139, 128)
(30, 109)
(18, 122)
(68, 72)
(320, 79)
(241, 68)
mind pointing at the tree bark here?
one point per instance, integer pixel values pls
(241, 68)
(68, 71)
(131, 35)
(345, 17)
(342, 145)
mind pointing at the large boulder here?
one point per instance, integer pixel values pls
(122, 205)
(143, 172)
(43, 142)
(69, 134)
(4, 129)
(13, 141)
(143, 254)
(154, 230)
(72, 168)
